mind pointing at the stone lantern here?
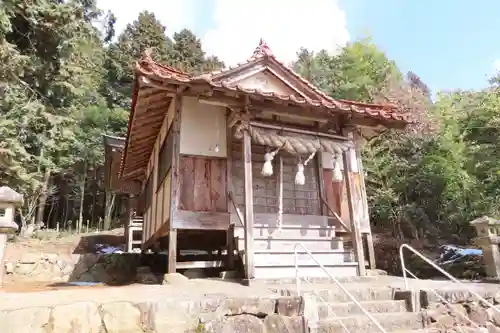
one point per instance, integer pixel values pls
(9, 200)
(488, 238)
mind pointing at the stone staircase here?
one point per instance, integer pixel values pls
(326, 308)
(274, 251)
(213, 306)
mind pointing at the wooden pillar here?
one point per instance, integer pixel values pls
(247, 160)
(175, 184)
(229, 185)
(357, 239)
(369, 238)
(321, 184)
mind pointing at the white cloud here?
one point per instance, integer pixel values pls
(285, 25)
(174, 14)
(496, 65)
(238, 25)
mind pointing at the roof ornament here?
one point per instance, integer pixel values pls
(262, 50)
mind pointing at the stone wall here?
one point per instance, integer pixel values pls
(113, 269)
(209, 315)
(463, 304)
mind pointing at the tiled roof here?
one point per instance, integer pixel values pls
(146, 66)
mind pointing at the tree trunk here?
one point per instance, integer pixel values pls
(94, 196)
(110, 201)
(42, 200)
(82, 198)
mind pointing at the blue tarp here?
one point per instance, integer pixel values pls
(452, 253)
(107, 249)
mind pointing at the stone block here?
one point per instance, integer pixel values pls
(80, 317)
(160, 316)
(290, 306)
(121, 317)
(29, 320)
(175, 278)
(249, 305)
(277, 324)
(234, 324)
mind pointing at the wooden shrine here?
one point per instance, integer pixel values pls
(257, 154)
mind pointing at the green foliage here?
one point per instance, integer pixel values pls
(63, 83)
(430, 181)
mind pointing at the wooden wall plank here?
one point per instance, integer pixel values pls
(297, 199)
(201, 185)
(201, 220)
(218, 185)
(186, 172)
(204, 184)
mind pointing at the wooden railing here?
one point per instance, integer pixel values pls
(335, 215)
(236, 208)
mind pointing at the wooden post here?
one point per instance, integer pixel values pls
(229, 185)
(174, 194)
(247, 160)
(321, 183)
(371, 251)
(352, 203)
(369, 237)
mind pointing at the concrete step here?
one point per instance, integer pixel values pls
(330, 293)
(345, 269)
(391, 322)
(278, 243)
(282, 258)
(344, 309)
(321, 280)
(288, 232)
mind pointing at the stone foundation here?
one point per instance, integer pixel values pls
(463, 307)
(210, 315)
(113, 269)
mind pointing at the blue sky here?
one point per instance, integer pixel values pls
(449, 44)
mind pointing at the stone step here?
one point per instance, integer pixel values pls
(391, 322)
(288, 245)
(282, 259)
(322, 280)
(457, 329)
(330, 310)
(345, 269)
(325, 293)
(288, 232)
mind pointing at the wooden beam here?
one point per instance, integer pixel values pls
(356, 234)
(132, 174)
(175, 185)
(249, 218)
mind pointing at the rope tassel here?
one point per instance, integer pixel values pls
(300, 178)
(337, 172)
(267, 168)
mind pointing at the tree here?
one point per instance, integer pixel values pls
(147, 32)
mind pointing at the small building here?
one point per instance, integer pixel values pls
(248, 162)
(122, 195)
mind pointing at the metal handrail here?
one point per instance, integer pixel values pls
(337, 282)
(448, 304)
(442, 271)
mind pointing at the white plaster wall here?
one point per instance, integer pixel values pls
(203, 126)
(267, 82)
